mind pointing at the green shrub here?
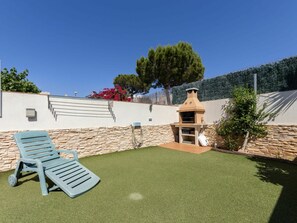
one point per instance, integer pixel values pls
(241, 116)
(17, 82)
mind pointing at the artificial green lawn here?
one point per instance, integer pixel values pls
(159, 185)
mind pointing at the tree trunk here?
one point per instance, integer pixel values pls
(245, 141)
(167, 95)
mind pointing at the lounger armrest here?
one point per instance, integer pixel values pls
(31, 161)
(73, 152)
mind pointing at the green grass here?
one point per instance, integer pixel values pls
(175, 187)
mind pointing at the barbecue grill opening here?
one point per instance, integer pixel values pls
(188, 117)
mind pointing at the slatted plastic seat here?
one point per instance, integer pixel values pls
(38, 154)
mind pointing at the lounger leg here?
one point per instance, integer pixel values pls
(42, 181)
(13, 178)
(18, 169)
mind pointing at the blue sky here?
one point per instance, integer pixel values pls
(82, 46)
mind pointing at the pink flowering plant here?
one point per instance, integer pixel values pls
(116, 94)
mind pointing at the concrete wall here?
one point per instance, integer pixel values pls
(89, 126)
(97, 130)
(90, 141)
(284, 104)
(123, 113)
(281, 141)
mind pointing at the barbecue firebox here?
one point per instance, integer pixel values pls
(187, 117)
(191, 118)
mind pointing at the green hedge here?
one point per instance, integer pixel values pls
(279, 76)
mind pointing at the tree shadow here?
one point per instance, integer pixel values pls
(279, 102)
(284, 174)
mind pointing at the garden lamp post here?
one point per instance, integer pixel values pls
(0, 75)
(255, 83)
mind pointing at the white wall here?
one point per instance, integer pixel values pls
(213, 110)
(284, 104)
(15, 104)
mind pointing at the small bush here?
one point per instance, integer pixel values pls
(241, 118)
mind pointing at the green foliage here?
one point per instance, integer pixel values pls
(241, 117)
(279, 76)
(17, 82)
(132, 83)
(168, 66)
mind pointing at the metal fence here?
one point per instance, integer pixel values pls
(158, 98)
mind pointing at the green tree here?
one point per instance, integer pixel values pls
(242, 119)
(169, 66)
(17, 82)
(132, 83)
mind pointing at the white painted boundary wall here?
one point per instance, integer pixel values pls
(125, 113)
(284, 104)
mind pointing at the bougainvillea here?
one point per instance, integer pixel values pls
(116, 94)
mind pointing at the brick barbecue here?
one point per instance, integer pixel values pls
(192, 110)
(191, 118)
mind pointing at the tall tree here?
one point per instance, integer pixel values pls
(169, 66)
(18, 82)
(132, 83)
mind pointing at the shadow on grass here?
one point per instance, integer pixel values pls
(28, 177)
(283, 174)
(32, 176)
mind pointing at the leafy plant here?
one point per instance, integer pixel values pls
(116, 94)
(17, 82)
(242, 120)
(132, 83)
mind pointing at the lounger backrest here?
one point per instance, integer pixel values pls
(36, 145)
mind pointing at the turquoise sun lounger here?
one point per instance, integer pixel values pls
(38, 154)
